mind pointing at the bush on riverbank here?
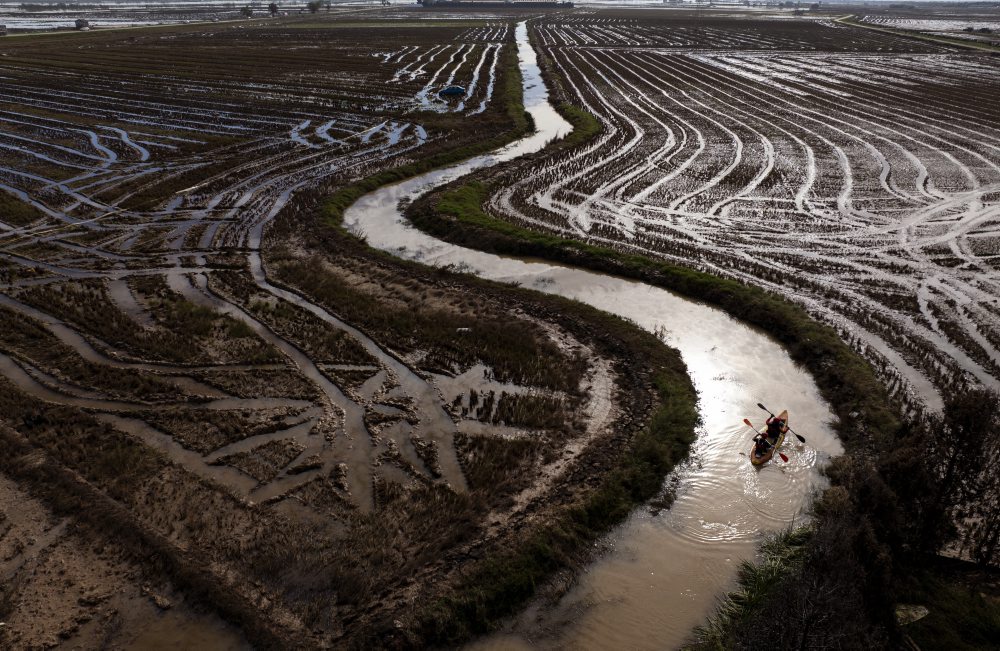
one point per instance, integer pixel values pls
(779, 555)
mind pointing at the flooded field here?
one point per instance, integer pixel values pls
(832, 164)
(686, 163)
(225, 352)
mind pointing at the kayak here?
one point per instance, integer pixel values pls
(760, 460)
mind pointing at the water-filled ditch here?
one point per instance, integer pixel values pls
(662, 573)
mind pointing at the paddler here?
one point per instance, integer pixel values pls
(766, 441)
(775, 427)
(762, 444)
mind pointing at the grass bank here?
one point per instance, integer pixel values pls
(585, 126)
(745, 605)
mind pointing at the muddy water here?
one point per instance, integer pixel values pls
(174, 632)
(662, 573)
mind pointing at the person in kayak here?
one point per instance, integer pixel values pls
(762, 445)
(767, 440)
(775, 426)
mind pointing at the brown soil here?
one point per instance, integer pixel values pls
(64, 587)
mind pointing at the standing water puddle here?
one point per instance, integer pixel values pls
(663, 573)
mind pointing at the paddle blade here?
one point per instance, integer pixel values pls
(783, 457)
(748, 423)
(764, 408)
(801, 439)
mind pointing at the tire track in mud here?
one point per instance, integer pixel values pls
(250, 201)
(350, 427)
(490, 84)
(222, 215)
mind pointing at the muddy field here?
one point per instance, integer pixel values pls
(854, 171)
(231, 408)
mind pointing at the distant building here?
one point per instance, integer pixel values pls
(82, 23)
(3, 30)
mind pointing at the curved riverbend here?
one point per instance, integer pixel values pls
(664, 572)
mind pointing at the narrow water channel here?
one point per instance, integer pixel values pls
(662, 573)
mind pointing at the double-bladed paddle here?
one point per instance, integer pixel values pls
(800, 438)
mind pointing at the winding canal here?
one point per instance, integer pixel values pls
(661, 573)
